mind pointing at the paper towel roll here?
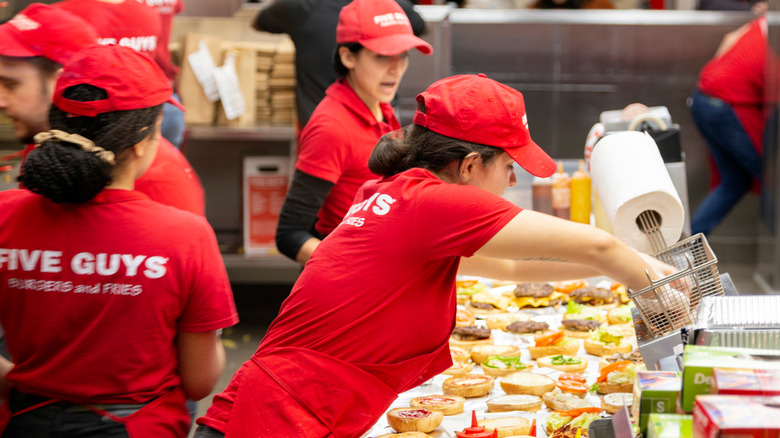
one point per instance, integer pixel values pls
(630, 177)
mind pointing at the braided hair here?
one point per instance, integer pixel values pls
(66, 172)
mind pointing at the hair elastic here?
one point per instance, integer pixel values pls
(83, 142)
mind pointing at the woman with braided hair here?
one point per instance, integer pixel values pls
(111, 302)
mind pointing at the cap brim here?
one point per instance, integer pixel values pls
(12, 46)
(176, 103)
(533, 159)
(398, 43)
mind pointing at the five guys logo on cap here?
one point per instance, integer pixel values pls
(392, 19)
(23, 22)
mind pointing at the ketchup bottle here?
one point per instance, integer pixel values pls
(475, 431)
(561, 193)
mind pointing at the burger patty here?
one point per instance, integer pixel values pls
(535, 290)
(478, 305)
(471, 333)
(597, 295)
(581, 325)
(527, 327)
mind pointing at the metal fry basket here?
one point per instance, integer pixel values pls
(673, 302)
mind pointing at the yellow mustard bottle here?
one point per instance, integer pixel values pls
(580, 195)
(561, 193)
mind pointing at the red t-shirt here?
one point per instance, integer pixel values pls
(167, 9)
(130, 23)
(380, 289)
(93, 295)
(737, 78)
(335, 146)
(171, 180)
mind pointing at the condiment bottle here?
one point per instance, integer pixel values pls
(541, 195)
(580, 195)
(475, 431)
(561, 193)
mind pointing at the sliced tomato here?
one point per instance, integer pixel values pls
(572, 387)
(612, 367)
(533, 428)
(577, 412)
(545, 340)
(576, 377)
(466, 283)
(568, 286)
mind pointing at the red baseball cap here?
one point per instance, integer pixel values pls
(47, 31)
(132, 79)
(380, 26)
(480, 110)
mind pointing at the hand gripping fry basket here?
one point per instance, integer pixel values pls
(673, 302)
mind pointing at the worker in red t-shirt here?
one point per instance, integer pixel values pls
(373, 38)
(112, 303)
(728, 107)
(372, 313)
(36, 43)
(143, 25)
(173, 118)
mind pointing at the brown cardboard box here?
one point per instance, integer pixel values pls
(199, 110)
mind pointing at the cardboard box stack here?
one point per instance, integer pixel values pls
(282, 84)
(266, 78)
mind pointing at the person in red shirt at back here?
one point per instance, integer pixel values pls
(143, 25)
(36, 43)
(728, 107)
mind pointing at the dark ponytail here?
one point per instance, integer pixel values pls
(64, 171)
(416, 146)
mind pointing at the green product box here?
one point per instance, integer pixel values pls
(655, 392)
(699, 360)
(670, 426)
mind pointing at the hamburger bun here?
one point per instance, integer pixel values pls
(459, 354)
(570, 364)
(459, 368)
(480, 353)
(527, 383)
(447, 404)
(499, 321)
(507, 426)
(612, 402)
(500, 366)
(609, 388)
(597, 348)
(468, 345)
(414, 419)
(567, 346)
(464, 318)
(514, 402)
(405, 435)
(558, 400)
(468, 385)
(620, 315)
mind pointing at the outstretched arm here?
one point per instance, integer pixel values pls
(537, 237)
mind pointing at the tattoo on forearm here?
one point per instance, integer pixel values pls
(543, 259)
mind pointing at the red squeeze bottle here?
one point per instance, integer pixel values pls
(475, 431)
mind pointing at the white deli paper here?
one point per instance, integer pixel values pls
(229, 89)
(203, 67)
(630, 177)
